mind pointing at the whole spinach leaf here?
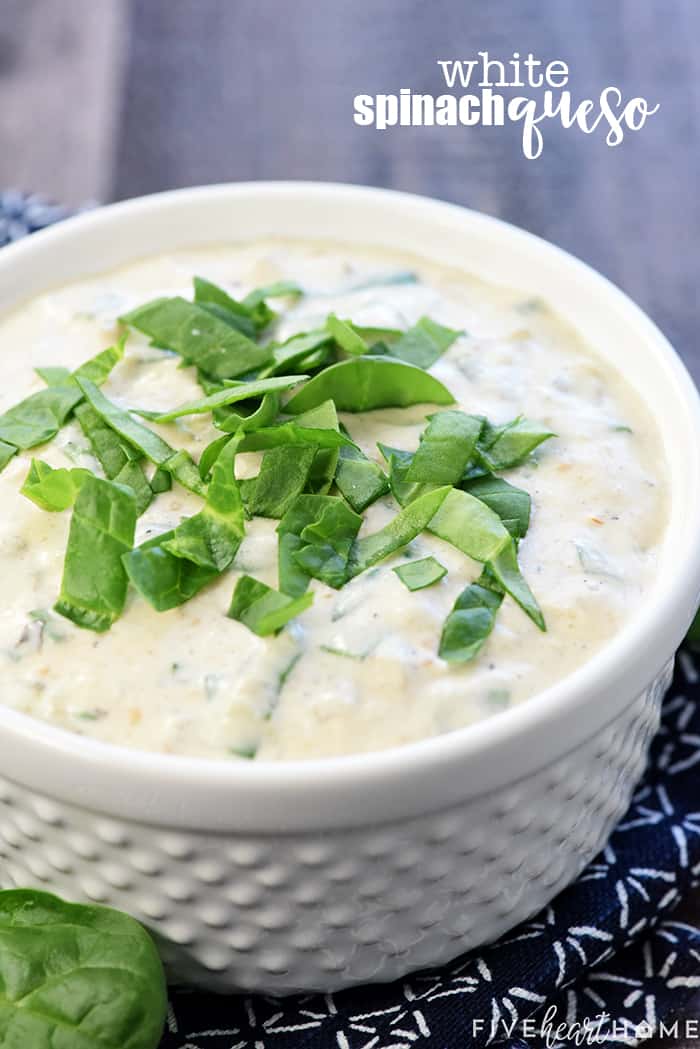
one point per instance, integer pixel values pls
(76, 977)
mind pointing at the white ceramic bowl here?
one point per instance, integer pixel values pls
(289, 876)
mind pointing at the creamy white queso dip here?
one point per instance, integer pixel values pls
(191, 681)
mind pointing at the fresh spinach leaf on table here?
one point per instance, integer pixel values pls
(76, 977)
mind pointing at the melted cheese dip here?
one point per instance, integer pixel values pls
(359, 670)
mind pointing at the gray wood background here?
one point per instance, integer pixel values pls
(122, 97)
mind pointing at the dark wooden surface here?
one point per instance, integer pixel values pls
(126, 97)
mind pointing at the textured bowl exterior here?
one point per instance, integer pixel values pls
(325, 910)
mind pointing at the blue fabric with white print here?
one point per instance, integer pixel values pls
(606, 964)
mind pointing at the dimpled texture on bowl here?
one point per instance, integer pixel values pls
(321, 911)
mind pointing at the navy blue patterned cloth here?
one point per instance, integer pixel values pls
(606, 960)
(23, 213)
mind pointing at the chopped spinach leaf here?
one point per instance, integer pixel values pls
(346, 336)
(294, 433)
(106, 445)
(246, 751)
(284, 472)
(52, 489)
(404, 527)
(258, 308)
(506, 446)
(221, 304)
(185, 471)
(510, 503)
(300, 352)
(179, 464)
(7, 452)
(199, 336)
(211, 538)
(446, 447)
(99, 368)
(123, 423)
(38, 418)
(323, 420)
(230, 394)
(93, 590)
(326, 543)
(264, 610)
(305, 510)
(316, 537)
(165, 580)
(364, 383)
(359, 480)
(504, 566)
(470, 525)
(211, 454)
(263, 414)
(416, 575)
(372, 334)
(469, 623)
(161, 481)
(53, 376)
(424, 343)
(116, 458)
(132, 476)
(399, 463)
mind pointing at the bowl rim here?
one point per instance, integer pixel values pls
(327, 791)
